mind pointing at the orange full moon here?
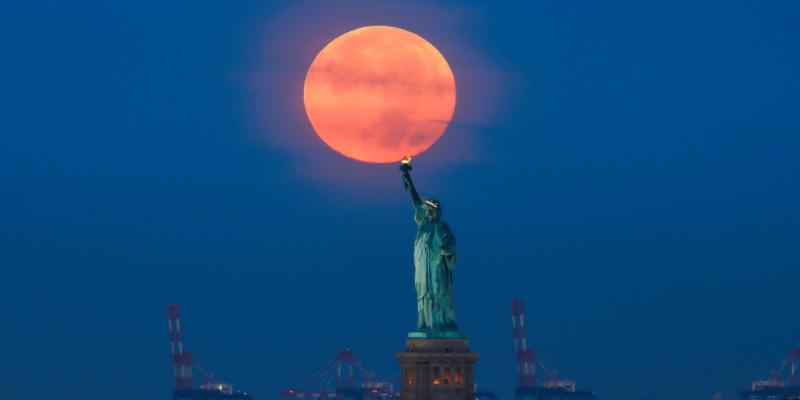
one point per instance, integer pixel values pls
(379, 93)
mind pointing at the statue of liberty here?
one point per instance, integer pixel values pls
(434, 262)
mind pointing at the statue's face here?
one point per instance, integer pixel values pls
(432, 213)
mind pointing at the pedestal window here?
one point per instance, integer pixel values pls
(411, 376)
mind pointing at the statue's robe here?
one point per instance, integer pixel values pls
(433, 276)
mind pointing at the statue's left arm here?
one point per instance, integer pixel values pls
(448, 242)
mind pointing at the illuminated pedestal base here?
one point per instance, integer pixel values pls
(438, 369)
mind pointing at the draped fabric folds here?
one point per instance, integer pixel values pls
(434, 262)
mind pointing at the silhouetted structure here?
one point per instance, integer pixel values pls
(343, 377)
(183, 363)
(528, 383)
(783, 383)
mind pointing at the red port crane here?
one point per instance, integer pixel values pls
(789, 367)
(525, 357)
(528, 382)
(794, 360)
(181, 359)
(183, 362)
(783, 382)
(343, 377)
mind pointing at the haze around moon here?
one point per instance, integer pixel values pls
(379, 93)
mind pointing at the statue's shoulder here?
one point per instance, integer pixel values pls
(443, 225)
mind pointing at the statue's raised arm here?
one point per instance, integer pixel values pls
(405, 166)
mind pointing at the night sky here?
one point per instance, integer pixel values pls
(630, 169)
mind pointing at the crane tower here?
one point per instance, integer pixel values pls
(529, 384)
(183, 363)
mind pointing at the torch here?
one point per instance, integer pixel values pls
(405, 166)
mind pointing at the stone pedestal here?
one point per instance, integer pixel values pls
(437, 369)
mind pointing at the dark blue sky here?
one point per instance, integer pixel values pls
(629, 168)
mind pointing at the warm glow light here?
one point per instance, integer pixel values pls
(379, 93)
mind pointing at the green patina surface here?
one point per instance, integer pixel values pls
(435, 257)
(437, 335)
